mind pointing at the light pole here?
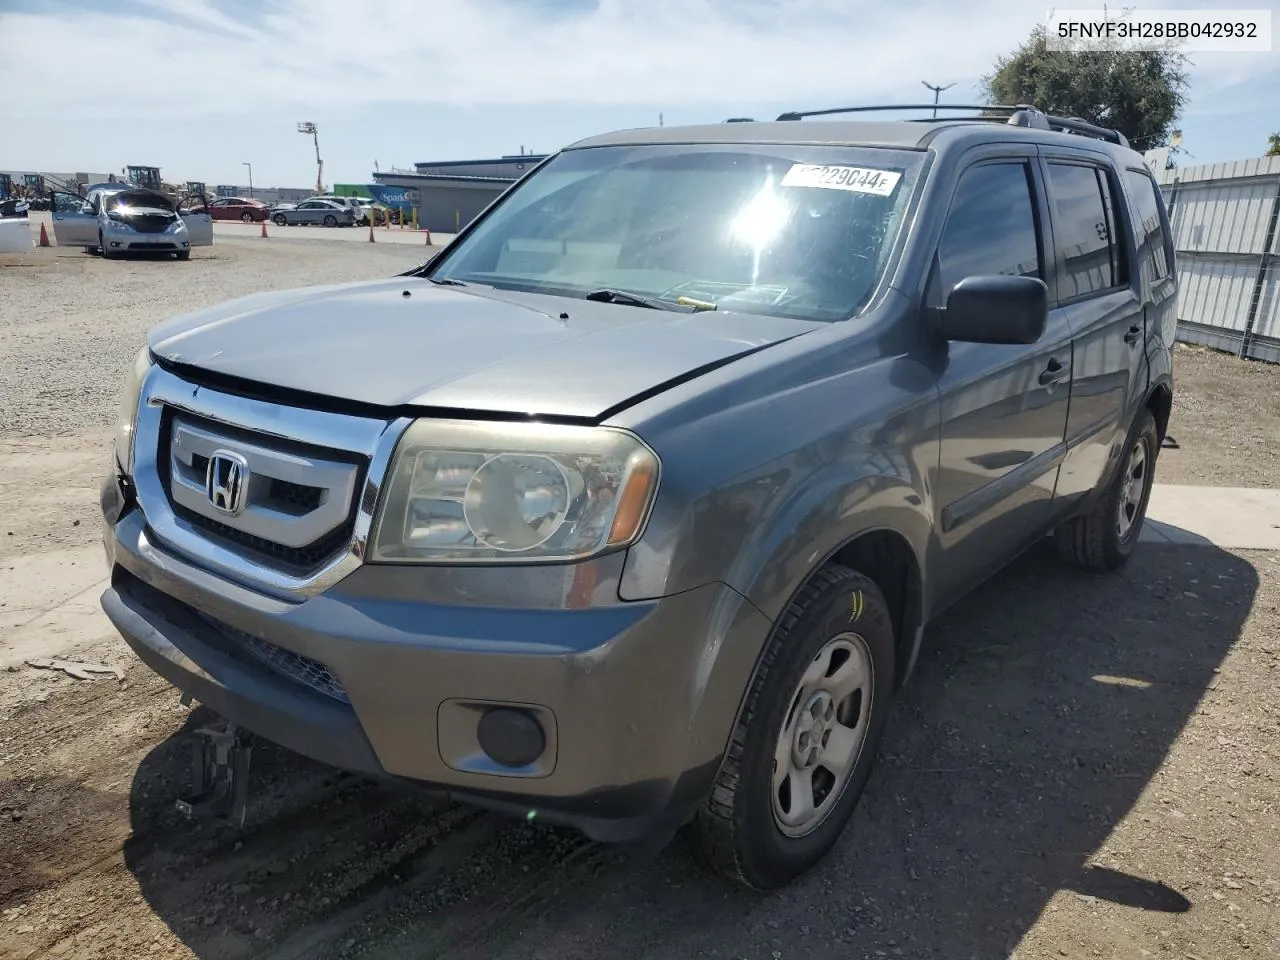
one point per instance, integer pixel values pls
(937, 91)
(307, 126)
(246, 163)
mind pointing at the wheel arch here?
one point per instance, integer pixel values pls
(1160, 402)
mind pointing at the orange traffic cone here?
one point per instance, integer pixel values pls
(371, 239)
(264, 229)
(44, 236)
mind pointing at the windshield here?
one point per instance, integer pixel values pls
(790, 230)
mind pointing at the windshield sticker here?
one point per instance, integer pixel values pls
(856, 179)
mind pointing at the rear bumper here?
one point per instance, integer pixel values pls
(636, 699)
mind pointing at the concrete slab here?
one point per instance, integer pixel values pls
(76, 628)
(37, 583)
(1234, 518)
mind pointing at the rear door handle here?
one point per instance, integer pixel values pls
(1055, 372)
(1134, 333)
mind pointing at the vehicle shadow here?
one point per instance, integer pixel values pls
(1042, 707)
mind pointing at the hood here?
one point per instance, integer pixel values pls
(140, 201)
(460, 349)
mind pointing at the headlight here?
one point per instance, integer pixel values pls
(127, 410)
(177, 225)
(115, 223)
(485, 492)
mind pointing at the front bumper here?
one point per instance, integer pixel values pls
(133, 242)
(638, 699)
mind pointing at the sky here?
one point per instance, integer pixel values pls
(202, 87)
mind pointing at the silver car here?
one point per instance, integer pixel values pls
(326, 212)
(120, 218)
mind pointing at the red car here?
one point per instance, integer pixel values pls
(238, 208)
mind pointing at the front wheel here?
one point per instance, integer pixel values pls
(1105, 538)
(107, 252)
(183, 254)
(280, 219)
(247, 217)
(802, 750)
(330, 220)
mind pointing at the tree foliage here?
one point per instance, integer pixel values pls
(1140, 94)
(1273, 145)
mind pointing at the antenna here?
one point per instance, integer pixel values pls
(937, 92)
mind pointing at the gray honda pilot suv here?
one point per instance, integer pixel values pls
(628, 509)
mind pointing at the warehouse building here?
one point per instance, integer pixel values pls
(449, 194)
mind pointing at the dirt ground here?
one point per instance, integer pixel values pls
(1082, 766)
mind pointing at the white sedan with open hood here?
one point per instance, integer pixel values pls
(119, 218)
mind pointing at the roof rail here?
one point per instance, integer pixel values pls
(741, 120)
(801, 114)
(1019, 115)
(1087, 129)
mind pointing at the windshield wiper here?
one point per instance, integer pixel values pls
(445, 282)
(680, 305)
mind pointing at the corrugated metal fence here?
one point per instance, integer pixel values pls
(1228, 254)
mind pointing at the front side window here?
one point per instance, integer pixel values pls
(991, 228)
(1082, 231)
(788, 230)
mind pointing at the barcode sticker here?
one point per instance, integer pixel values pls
(856, 179)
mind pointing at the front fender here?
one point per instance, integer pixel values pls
(832, 509)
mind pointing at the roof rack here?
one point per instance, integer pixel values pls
(1019, 115)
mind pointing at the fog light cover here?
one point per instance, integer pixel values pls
(510, 737)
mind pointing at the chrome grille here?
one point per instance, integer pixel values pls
(297, 506)
(150, 222)
(251, 557)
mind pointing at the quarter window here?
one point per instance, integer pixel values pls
(1146, 200)
(991, 228)
(1084, 231)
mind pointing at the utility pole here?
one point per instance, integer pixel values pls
(937, 91)
(308, 127)
(246, 163)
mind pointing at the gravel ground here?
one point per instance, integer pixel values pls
(1226, 418)
(71, 322)
(1090, 778)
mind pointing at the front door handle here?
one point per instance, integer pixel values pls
(1054, 372)
(1131, 337)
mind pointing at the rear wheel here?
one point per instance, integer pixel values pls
(330, 220)
(280, 219)
(247, 217)
(1105, 538)
(802, 751)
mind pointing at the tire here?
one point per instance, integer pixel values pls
(740, 831)
(247, 217)
(1101, 540)
(183, 254)
(330, 220)
(280, 220)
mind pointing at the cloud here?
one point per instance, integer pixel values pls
(182, 56)
(192, 58)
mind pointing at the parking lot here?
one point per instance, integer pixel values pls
(1082, 766)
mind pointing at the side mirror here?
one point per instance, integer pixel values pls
(87, 208)
(996, 309)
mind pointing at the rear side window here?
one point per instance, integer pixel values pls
(991, 228)
(1151, 235)
(1084, 230)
